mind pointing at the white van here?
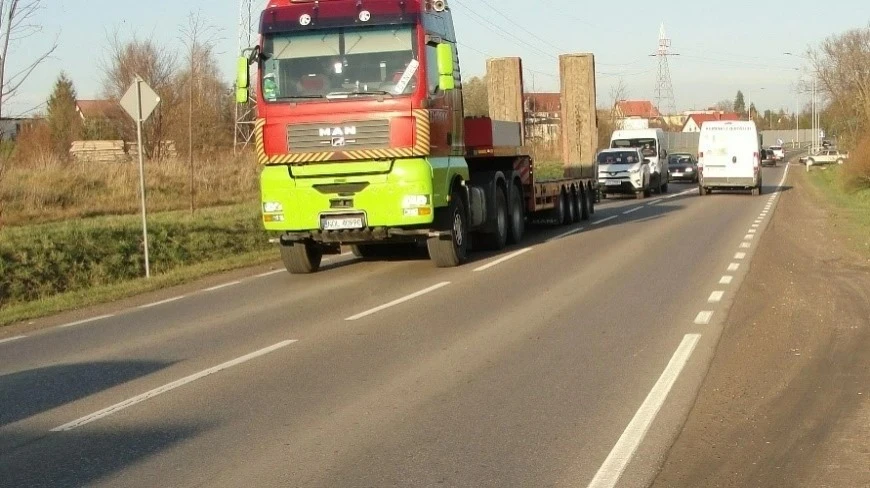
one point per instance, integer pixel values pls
(653, 145)
(729, 157)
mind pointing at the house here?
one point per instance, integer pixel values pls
(695, 120)
(635, 113)
(101, 119)
(543, 113)
(10, 127)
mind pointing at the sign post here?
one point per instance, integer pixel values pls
(139, 102)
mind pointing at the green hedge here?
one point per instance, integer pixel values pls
(40, 261)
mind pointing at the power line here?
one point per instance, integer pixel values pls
(499, 30)
(499, 12)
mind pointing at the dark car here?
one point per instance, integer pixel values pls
(768, 158)
(683, 167)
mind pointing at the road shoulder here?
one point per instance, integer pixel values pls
(785, 402)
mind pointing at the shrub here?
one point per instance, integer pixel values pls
(857, 170)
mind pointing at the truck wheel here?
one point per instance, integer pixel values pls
(558, 211)
(664, 188)
(647, 192)
(703, 191)
(451, 250)
(593, 198)
(573, 208)
(517, 219)
(497, 240)
(302, 257)
(585, 204)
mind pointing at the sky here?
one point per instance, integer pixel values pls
(723, 46)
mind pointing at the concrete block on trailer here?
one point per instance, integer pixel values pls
(579, 114)
(504, 78)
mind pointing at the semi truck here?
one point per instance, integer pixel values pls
(363, 141)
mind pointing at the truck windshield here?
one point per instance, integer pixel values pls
(648, 147)
(622, 157)
(342, 62)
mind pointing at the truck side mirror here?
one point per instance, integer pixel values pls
(243, 79)
(446, 82)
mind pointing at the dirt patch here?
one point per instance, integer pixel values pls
(787, 398)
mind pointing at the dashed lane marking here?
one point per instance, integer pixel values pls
(704, 317)
(503, 259)
(398, 301)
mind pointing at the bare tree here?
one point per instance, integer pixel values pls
(17, 23)
(199, 39)
(474, 97)
(156, 64)
(842, 69)
(607, 121)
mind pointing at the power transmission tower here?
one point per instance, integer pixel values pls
(245, 113)
(664, 87)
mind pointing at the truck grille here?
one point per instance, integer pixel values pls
(348, 136)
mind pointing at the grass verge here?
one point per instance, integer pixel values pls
(107, 293)
(851, 209)
(52, 267)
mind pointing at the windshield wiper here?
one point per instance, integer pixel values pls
(357, 93)
(297, 97)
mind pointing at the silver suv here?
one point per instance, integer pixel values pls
(623, 171)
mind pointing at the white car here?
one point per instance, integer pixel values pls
(827, 156)
(624, 171)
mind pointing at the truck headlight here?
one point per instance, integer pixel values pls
(415, 201)
(634, 171)
(272, 207)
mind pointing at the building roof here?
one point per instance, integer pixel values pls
(543, 102)
(638, 108)
(711, 117)
(99, 109)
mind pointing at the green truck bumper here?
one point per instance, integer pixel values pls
(397, 195)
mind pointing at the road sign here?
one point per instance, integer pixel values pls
(140, 90)
(779, 142)
(140, 102)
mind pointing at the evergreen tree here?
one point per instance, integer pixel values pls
(63, 121)
(740, 103)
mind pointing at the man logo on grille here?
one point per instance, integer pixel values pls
(338, 131)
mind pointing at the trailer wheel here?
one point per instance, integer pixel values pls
(517, 218)
(585, 204)
(594, 197)
(451, 250)
(497, 240)
(573, 214)
(558, 212)
(302, 257)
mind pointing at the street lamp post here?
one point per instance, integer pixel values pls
(814, 140)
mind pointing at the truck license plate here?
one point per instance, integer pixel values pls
(342, 222)
(613, 183)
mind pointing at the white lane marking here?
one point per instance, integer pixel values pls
(225, 285)
(649, 204)
(745, 245)
(752, 231)
(716, 297)
(755, 226)
(269, 273)
(85, 321)
(704, 317)
(10, 339)
(503, 259)
(623, 452)
(635, 209)
(726, 280)
(162, 302)
(733, 266)
(608, 219)
(167, 387)
(566, 234)
(740, 255)
(679, 194)
(748, 237)
(397, 301)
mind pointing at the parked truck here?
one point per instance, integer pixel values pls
(363, 141)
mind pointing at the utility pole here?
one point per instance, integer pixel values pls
(664, 86)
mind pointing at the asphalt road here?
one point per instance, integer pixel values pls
(572, 360)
